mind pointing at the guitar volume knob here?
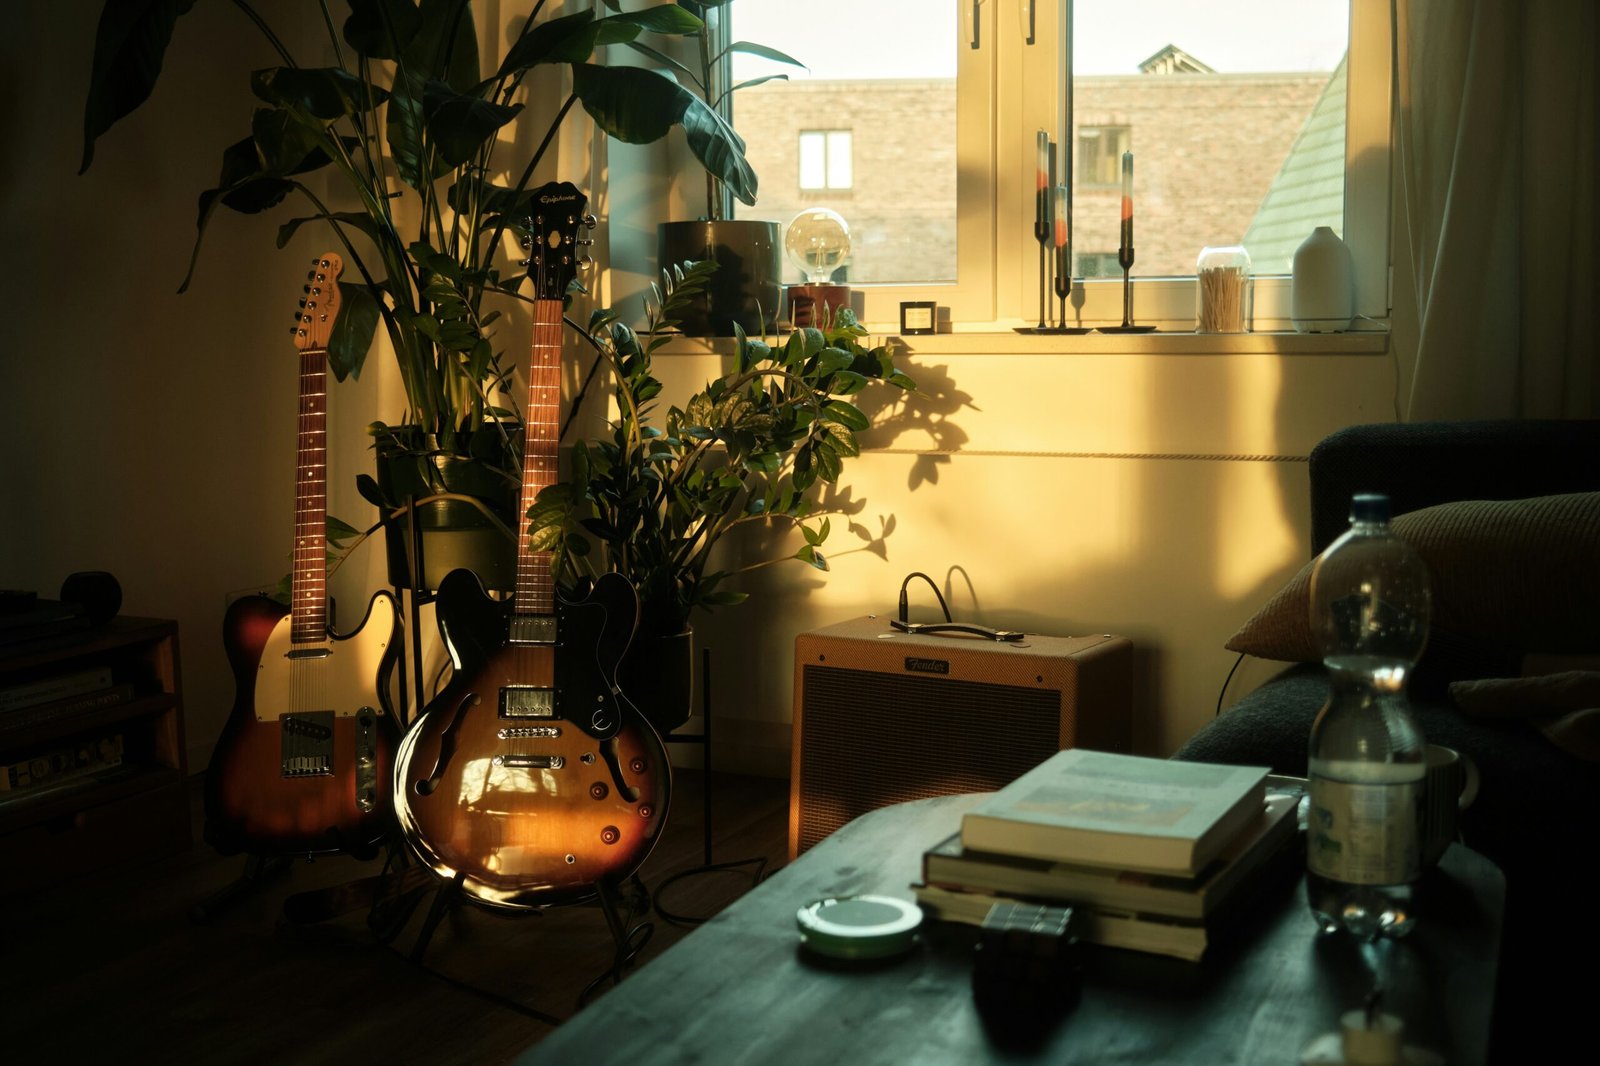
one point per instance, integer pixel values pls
(610, 835)
(598, 790)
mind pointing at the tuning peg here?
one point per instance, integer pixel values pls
(590, 222)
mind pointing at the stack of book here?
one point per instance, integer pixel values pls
(1151, 853)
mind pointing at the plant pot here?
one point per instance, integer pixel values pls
(657, 676)
(746, 286)
(453, 533)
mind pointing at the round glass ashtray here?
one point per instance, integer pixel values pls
(859, 927)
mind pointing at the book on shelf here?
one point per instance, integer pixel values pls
(122, 692)
(55, 687)
(1125, 811)
(951, 865)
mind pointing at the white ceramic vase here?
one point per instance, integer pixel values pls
(1322, 294)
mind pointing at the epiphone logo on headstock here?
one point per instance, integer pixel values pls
(927, 666)
(550, 199)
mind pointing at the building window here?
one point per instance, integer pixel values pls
(825, 159)
(1100, 151)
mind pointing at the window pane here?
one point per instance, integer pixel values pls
(813, 160)
(839, 159)
(899, 198)
(1234, 113)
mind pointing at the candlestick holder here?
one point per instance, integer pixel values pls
(1042, 234)
(1125, 260)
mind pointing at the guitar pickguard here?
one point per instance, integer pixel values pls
(320, 676)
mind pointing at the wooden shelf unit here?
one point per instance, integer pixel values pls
(72, 824)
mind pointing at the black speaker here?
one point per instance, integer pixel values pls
(881, 716)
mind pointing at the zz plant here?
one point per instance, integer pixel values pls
(655, 498)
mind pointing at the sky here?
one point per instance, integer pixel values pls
(919, 38)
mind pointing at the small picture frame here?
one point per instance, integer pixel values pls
(918, 317)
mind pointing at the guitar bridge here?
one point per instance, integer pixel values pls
(307, 744)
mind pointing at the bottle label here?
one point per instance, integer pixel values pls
(1364, 834)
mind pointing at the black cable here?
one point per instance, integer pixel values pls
(937, 594)
(1224, 690)
(756, 877)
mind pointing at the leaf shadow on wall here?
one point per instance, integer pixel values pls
(919, 422)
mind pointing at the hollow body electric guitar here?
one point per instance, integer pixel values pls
(304, 761)
(530, 780)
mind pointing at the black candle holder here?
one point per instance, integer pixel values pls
(1125, 261)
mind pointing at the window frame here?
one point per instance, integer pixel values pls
(1009, 87)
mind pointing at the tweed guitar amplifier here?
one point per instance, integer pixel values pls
(882, 716)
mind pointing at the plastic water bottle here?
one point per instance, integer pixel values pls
(1369, 611)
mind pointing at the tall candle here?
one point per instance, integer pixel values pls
(1041, 196)
(1061, 233)
(1127, 205)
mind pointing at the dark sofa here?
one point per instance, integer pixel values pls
(1538, 802)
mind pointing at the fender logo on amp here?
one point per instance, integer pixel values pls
(927, 666)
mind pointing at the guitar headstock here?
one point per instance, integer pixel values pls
(552, 239)
(319, 307)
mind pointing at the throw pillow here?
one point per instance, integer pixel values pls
(1510, 574)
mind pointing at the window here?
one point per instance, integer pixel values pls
(1257, 121)
(1100, 151)
(825, 159)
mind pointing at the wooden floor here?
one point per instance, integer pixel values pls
(114, 967)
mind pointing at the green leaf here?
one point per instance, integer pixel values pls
(369, 490)
(460, 123)
(353, 330)
(832, 360)
(284, 142)
(845, 414)
(382, 29)
(325, 93)
(129, 46)
(829, 465)
(568, 39)
(763, 51)
(640, 106)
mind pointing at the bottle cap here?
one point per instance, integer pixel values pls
(859, 927)
(1369, 507)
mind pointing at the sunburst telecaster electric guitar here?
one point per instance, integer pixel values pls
(530, 780)
(304, 762)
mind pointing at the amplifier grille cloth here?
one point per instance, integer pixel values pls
(872, 739)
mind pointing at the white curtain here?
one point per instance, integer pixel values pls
(1495, 215)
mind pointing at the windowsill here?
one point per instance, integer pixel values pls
(1156, 343)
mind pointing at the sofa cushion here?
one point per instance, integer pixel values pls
(1508, 575)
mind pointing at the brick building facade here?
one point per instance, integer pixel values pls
(1206, 147)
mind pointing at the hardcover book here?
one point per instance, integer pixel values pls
(1124, 811)
(950, 865)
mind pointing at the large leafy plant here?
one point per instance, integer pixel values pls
(703, 67)
(655, 498)
(407, 118)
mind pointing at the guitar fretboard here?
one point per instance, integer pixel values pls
(535, 592)
(309, 582)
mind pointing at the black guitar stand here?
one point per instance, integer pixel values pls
(703, 738)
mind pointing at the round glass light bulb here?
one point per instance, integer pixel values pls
(817, 241)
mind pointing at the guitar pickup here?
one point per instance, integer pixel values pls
(527, 701)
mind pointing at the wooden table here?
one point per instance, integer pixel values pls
(740, 990)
